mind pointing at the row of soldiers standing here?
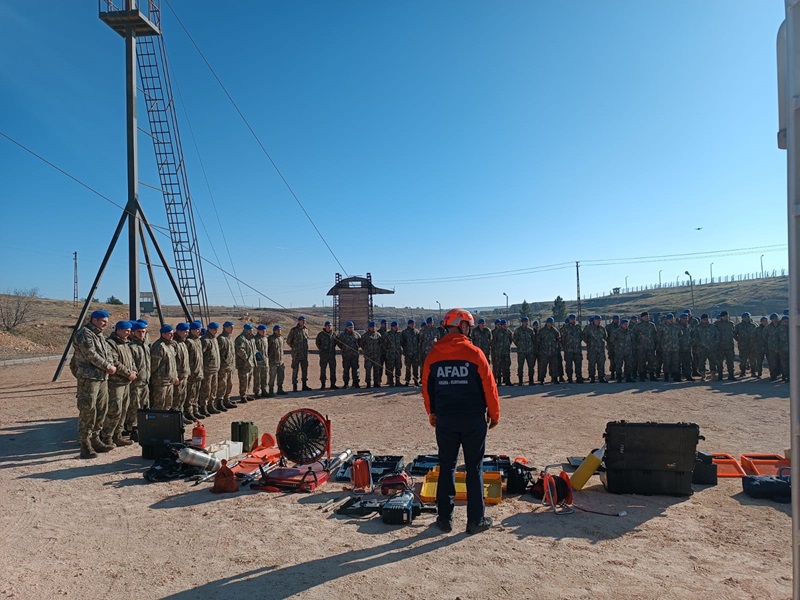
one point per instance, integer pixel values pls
(636, 347)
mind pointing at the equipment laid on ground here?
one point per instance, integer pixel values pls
(169, 468)
(650, 458)
(245, 432)
(492, 487)
(763, 464)
(199, 435)
(519, 478)
(157, 430)
(381, 465)
(394, 482)
(361, 474)
(400, 509)
(773, 487)
(491, 463)
(705, 471)
(555, 491)
(225, 480)
(423, 463)
(727, 466)
(198, 458)
(587, 469)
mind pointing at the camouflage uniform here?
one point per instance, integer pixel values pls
(482, 338)
(724, 347)
(685, 351)
(371, 346)
(549, 340)
(622, 341)
(245, 351)
(92, 357)
(326, 344)
(612, 355)
(771, 335)
(349, 343)
(783, 349)
(427, 338)
(163, 373)
(706, 338)
(393, 349)
(595, 338)
(571, 337)
(758, 349)
(276, 366)
(140, 387)
(409, 340)
(669, 340)
(659, 350)
(297, 340)
(524, 339)
(382, 331)
(743, 333)
(211, 362)
(227, 363)
(644, 336)
(119, 387)
(501, 353)
(195, 349)
(262, 367)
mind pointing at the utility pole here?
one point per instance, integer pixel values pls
(578, 283)
(75, 271)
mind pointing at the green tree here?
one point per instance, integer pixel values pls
(525, 309)
(559, 309)
(114, 300)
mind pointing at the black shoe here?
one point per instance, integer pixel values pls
(642, 378)
(630, 380)
(356, 386)
(603, 380)
(482, 525)
(377, 385)
(294, 387)
(580, 380)
(243, 400)
(282, 392)
(305, 388)
(695, 373)
(619, 379)
(186, 421)
(446, 525)
(719, 377)
(569, 379)
(690, 378)
(591, 380)
(322, 385)
(731, 378)
(334, 386)
(653, 377)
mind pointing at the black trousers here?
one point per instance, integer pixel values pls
(471, 436)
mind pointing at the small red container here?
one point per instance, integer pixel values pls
(199, 435)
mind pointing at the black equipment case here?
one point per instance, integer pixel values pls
(650, 458)
(157, 430)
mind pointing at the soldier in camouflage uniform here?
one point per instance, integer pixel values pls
(622, 340)
(245, 352)
(481, 337)
(501, 353)
(371, 347)
(644, 336)
(759, 348)
(211, 361)
(119, 386)
(409, 340)
(393, 350)
(595, 337)
(195, 382)
(275, 358)
(659, 351)
(633, 321)
(773, 348)
(326, 344)
(685, 348)
(706, 339)
(227, 363)
(783, 346)
(549, 340)
(669, 340)
(349, 343)
(427, 338)
(693, 323)
(164, 370)
(743, 334)
(382, 331)
(91, 364)
(724, 345)
(525, 341)
(571, 336)
(298, 342)
(261, 372)
(140, 387)
(610, 328)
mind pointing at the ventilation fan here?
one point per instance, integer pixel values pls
(304, 436)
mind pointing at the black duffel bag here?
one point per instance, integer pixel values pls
(770, 487)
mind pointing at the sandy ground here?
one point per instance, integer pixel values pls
(97, 529)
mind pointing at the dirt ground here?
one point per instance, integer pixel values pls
(97, 529)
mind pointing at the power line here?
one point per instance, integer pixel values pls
(258, 141)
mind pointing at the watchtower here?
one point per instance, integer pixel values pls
(352, 300)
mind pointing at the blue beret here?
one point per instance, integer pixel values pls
(502, 321)
(349, 324)
(328, 323)
(615, 317)
(199, 322)
(525, 319)
(566, 320)
(371, 324)
(597, 318)
(262, 327)
(535, 323)
(429, 320)
(624, 321)
(745, 314)
(99, 314)
(194, 326)
(773, 316)
(384, 321)
(497, 321)
(213, 325)
(786, 311)
(248, 326)
(410, 322)
(394, 324)
(123, 325)
(785, 318)
(670, 316)
(571, 316)
(182, 327)
(228, 324)
(549, 320)
(644, 313)
(591, 318)
(276, 328)
(143, 322)
(166, 329)
(481, 321)
(301, 318)
(684, 316)
(203, 330)
(634, 318)
(137, 326)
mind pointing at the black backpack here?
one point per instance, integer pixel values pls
(519, 478)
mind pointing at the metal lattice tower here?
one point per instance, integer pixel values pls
(338, 280)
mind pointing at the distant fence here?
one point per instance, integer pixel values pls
(685, 283)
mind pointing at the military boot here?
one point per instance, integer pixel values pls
(211, 409)
(305, 387)
(322, 385)
(228, 404)
(120, 441)
(87, 451)
(281, 391)
(101, 446)
(334, 386)
(219, 406)
(294, 387)
(271, 392)
(188, 417)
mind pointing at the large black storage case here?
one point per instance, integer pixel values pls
(650, 458)
(157, 429)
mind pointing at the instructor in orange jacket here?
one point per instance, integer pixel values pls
(461, 400)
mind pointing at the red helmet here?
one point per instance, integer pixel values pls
(454, 317)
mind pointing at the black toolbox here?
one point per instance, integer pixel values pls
(650, 458)
(158, 429)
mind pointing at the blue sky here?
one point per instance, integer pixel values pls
(426, 140)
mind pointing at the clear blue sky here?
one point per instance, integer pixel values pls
(426, 139)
